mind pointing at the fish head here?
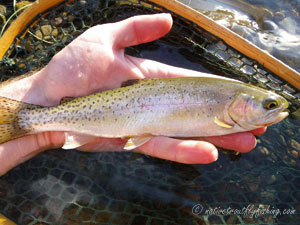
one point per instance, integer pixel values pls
(256, 108)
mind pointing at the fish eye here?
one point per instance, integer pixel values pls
(270, 104)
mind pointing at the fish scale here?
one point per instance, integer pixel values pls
(177, 107)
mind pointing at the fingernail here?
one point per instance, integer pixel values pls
(255, 142)
(215, 154)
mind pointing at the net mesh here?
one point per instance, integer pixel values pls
(70, 187)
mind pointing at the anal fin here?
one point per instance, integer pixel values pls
(74, 140)
(137, 141)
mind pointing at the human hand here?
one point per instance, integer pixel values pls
(93, 62)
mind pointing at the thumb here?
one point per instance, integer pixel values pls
(21, 149)
(141, 29)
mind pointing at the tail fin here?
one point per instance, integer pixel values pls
(9, 127)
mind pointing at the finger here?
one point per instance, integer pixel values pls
(141, 29)
(151, 69)
(188, 152)
(104, 144)
(259, 131)
(242, 142)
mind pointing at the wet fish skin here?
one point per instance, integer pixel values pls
(177, 107)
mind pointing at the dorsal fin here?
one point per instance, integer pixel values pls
(130, 82)
(65, 99)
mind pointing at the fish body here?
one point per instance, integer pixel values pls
(176, 107)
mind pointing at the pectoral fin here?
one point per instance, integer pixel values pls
(137, 141)
(74, 140)
(222, 124)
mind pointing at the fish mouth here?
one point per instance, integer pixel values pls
(280, 117)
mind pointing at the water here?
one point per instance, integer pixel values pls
(70, 187)
(272, 25)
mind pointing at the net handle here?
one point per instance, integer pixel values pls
(5, 221)
(22, 21)
(234, 40)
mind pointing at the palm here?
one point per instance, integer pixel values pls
(93, 62)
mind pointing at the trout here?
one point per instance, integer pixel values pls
(174, 107)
